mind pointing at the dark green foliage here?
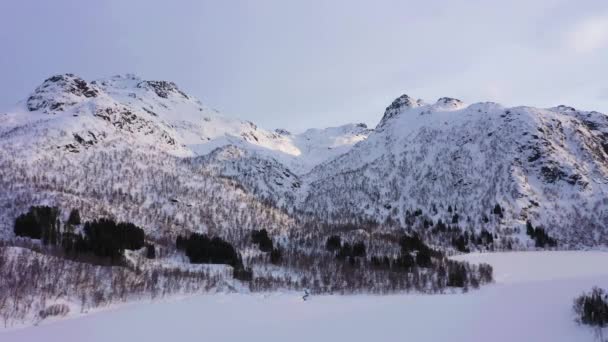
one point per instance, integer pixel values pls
(260, 238)
(74, 218)
(39, 223)
(201, 249)
(404, 262)
(440, 226)
(345, 251)
(460, 243)
(242, 274)
(104, 239)
(540, 237)
(424, 254)
(150, 251)
(485, 238)
(455, 218)
(543, 239)
(485, 273)
(411, 243)
(380, 262)
(530, 229)
(359, 249)
(457, 274)
(276, 255)
(73, 244)
(498, 210)
(423, 258)
(592, 308)
(333, 243)
(107, 239)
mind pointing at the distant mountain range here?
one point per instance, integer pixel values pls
(147, 152)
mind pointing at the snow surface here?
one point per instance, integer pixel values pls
(531, 301)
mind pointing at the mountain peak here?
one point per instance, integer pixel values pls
(282, 131)
(162, 89)
(400, 104)
(59, 91)
(449, 103)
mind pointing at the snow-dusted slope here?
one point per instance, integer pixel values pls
(201, 129)
(549, 166)
(69, 113)
(147, 152)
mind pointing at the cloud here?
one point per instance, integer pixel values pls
(589, 34)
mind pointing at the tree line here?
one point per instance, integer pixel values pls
(102, 240)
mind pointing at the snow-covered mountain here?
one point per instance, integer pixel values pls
(446, 160)
(182, 165)
(75, 114)
(549, 166)
(428, 181)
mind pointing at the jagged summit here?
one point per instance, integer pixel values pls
(399, 105)
(60, 91)
(282, 131)
(162, 89)
(84, 113)
(449, 103)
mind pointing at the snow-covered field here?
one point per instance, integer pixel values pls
(531, 301)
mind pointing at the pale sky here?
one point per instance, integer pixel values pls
(300, 64)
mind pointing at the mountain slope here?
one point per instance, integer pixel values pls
(69, 113)
(548, 166)
(477, 167)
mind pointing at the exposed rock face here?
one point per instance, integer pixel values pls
(449, 103)
(60, 91)
(399, 105)
(162, 88)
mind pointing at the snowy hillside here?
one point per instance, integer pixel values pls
(546, 166)
(68, 113)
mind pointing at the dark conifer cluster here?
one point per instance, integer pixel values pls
(540, 237)
(260, 238)
(104, 238)
(40, 222)
(264, 242)
(344, 250)
(201, 249)
(592, 308)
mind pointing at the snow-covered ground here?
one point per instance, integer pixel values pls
(531, 301)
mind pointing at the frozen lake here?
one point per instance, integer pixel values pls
(530, 301)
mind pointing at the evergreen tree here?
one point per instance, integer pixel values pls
(359, 249)
(592, 308)
(261, 238)
(150, 251)
(276, 255)
(74, 218)
(498, 210)
(333, 243)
